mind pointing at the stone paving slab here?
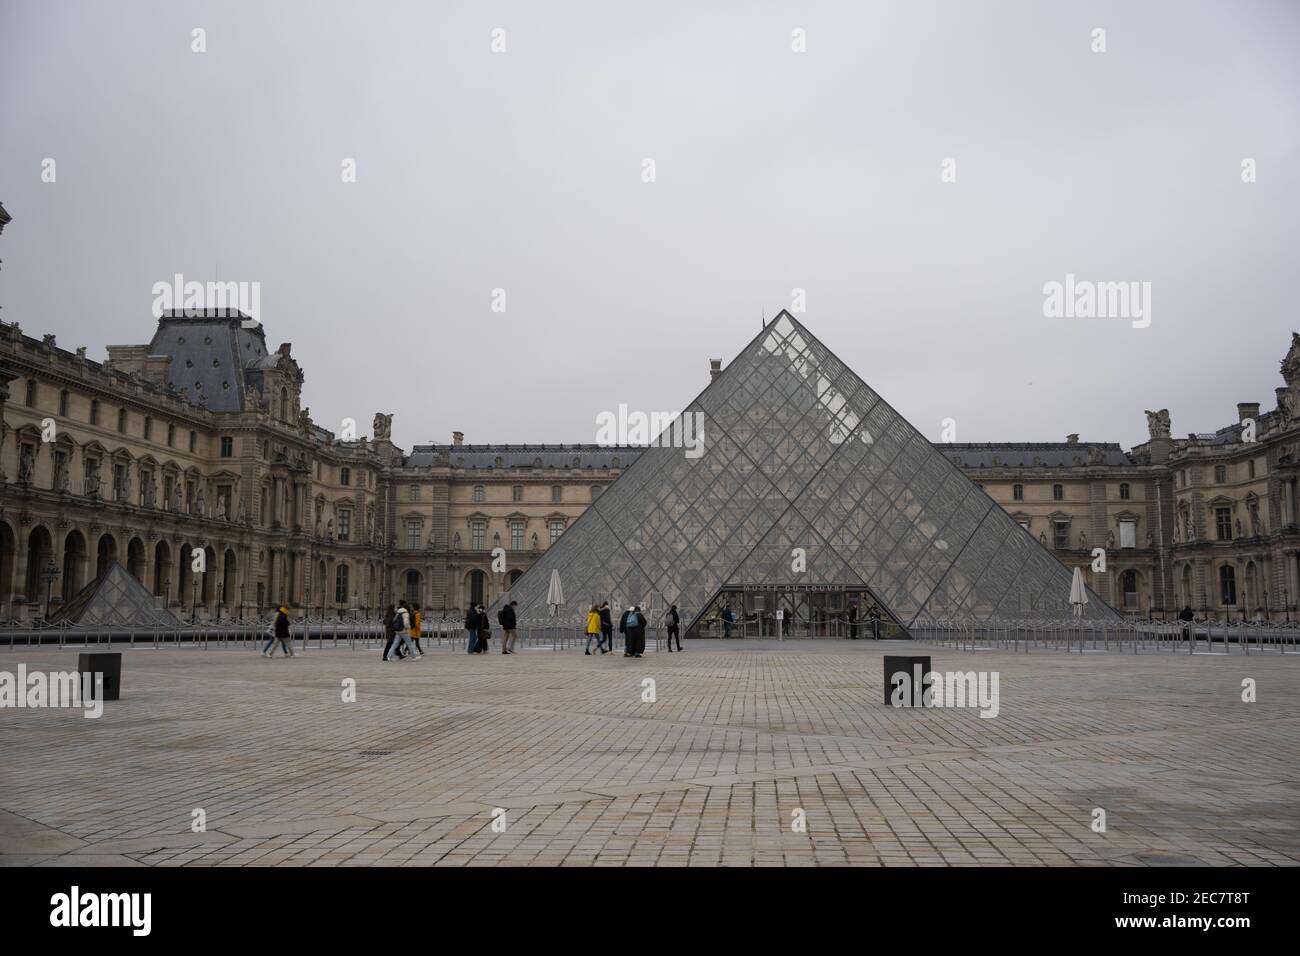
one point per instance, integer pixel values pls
(740, 739)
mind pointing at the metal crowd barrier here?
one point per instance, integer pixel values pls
(1128, 636)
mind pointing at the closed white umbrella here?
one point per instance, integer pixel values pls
(555, 595)
(1078, 593)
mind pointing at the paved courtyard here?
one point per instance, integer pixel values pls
(739, 738)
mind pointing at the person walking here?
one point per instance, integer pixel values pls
(1186, 615)
(727, 620)
(388, 630)
(606, 629)
(415, 629)
(853, 621)
(401, 632)
(484, 630)
(593, 629)
(506, 618)
(471, 627)
(673, 620)
(279, 632)
(874, 614)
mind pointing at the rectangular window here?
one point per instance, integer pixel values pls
(345, 524)
(414, 492)
(194, 441)
(517, 493)
(1061, 535)
(121, 420)
(1223, 523)
(557, 529)
(94, 416)
(557, 494)
(477, 535)
(345, 476)
(413, 535)
(1250, 468)
(516, 536)
(227, 446)
(1128, 534)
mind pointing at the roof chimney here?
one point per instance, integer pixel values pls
(1247, 410)
(1072, 439)
(458, 438)
(715, 369)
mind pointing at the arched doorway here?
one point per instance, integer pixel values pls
(341, 584)
(135, 559)
(229, 582)
(411, 589)
(514, 576)
(1250, 597)
(74, 564)
(40, 552)
(162, 562)
(1128, 586)
(477, 587)
(8, 557)
(105, 553)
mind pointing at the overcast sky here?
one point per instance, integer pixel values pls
(774, 170)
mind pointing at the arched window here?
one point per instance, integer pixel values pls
(341, 584)
(1017, 492)
(595, 492)
(1058, 492)
(1129, 587)
(1227, 585)
(477, 587)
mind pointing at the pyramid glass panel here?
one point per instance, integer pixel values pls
(812, 494)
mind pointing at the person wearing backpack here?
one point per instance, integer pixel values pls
(506, 618)
(673, 620)
(401, 629)
(636, 631)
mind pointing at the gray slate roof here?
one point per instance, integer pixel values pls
(209, 353)
(522, 456)
(1034, 454)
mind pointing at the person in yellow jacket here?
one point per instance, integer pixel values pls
(415, 628)
(593, 627)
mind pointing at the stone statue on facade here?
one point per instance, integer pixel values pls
(151, 492)
(240, 514)
(1237, 524)
(1110, 539)
(26, 465)
(63, 480)
(176, 497)
(1042, 539)
(1083, 541)
(1151, 543)
(329, 529)
(201, 505)
(124, 493)
(383, 426)
(221, 507)
(92, 483)
(1158, 424)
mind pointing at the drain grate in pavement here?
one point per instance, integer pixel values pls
(375, 753)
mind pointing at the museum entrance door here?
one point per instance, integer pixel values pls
(793, 613)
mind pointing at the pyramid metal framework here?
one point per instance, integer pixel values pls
(800, 453)
(115, 598)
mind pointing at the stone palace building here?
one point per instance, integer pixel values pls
(199, 439)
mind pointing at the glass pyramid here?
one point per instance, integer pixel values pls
(115, 598)
(800, 453)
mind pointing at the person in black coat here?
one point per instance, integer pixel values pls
(627, 638)
(1186, 616)
(673, 620)
(853, 621)
(634, 621)
(389, 633)
(606, 629)
(471, 626)
(484, 630)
